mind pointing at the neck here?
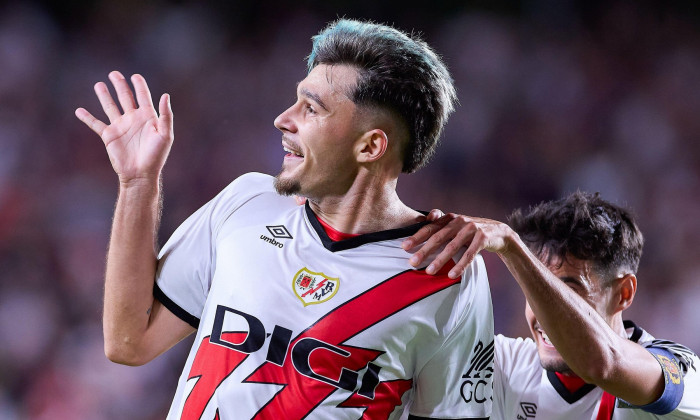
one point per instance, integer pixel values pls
(366, 207)
(618, 326)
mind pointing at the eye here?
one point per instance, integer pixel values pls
(309, 108)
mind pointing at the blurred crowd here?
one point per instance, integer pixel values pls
(554, 97)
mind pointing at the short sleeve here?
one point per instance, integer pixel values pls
(187, 261)
(457, 382)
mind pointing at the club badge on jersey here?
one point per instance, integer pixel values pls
(311, 287)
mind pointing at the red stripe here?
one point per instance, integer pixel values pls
(607, 405)
(301, 394)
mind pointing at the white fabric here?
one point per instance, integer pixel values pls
(429, 339)
(522, 390)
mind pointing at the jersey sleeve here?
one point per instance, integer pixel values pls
(679, 399)
(187, 261)
(457, 382)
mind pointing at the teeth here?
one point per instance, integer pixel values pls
(545, 337)
(292, 151)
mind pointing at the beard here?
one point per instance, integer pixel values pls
(287, 187)
(555, 365)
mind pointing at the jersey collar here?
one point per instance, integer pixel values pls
(359, 240)
(634, 333)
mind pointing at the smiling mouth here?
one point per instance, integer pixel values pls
(545, 337)
(291, 152)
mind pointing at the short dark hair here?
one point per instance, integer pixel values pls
(584, 226)
(397, 71)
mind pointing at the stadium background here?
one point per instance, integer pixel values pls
(555, 96)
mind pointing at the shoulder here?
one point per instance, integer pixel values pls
(516, 354)
(250, 183)
(518, 346)
(243, 189)
(687, 359)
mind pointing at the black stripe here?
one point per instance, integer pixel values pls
(356, 241)
(174, 308)
(570, 397)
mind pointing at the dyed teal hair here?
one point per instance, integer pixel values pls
(397, 71)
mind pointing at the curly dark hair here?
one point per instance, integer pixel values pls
(584, 226)
(397, 71)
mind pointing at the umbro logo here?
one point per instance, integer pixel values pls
(277, 232)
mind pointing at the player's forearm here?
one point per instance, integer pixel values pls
(131, 268)
(578, 332)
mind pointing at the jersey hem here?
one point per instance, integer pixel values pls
(174, 307)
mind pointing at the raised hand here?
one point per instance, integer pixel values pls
(454, 232)
(137, 138)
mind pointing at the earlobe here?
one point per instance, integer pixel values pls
(372, 146)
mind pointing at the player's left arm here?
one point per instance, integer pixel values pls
(595, 352)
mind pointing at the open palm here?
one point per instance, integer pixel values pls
(137, 139)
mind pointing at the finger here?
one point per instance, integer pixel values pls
(108, 105)
(441, 237)
(424, 233)
(126, 98)
(165, 120)
(434, 215)
(93, 123)
(463, 238)
(143, 94)
(474, 248)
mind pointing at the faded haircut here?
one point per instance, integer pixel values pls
(584, 226)
(398, 72)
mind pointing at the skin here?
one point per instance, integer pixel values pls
(584, 324)
(348, 164)
(137, 328)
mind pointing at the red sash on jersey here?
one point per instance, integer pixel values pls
(607, 406)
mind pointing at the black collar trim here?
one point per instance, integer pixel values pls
(570, 397)
(636, 333)
(356, 241)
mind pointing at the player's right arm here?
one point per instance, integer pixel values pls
(137, 328)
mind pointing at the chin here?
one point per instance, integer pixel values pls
(554, 363)
(287, 186)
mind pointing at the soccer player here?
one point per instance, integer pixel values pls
(583, 361)
(302, 311)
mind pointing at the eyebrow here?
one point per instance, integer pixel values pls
(314, 97)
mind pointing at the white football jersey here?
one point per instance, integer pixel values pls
(523, 390)
(292, 325)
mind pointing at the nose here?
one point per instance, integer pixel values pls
(285, 122)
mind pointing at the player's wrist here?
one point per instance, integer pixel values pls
(140, 186)
(511, 243)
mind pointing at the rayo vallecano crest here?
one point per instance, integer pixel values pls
(311, 287)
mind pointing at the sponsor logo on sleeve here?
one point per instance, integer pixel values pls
(478, 387)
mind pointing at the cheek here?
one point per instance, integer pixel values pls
(529, 315)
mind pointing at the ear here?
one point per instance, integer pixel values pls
(626, 289)
(372, 146)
